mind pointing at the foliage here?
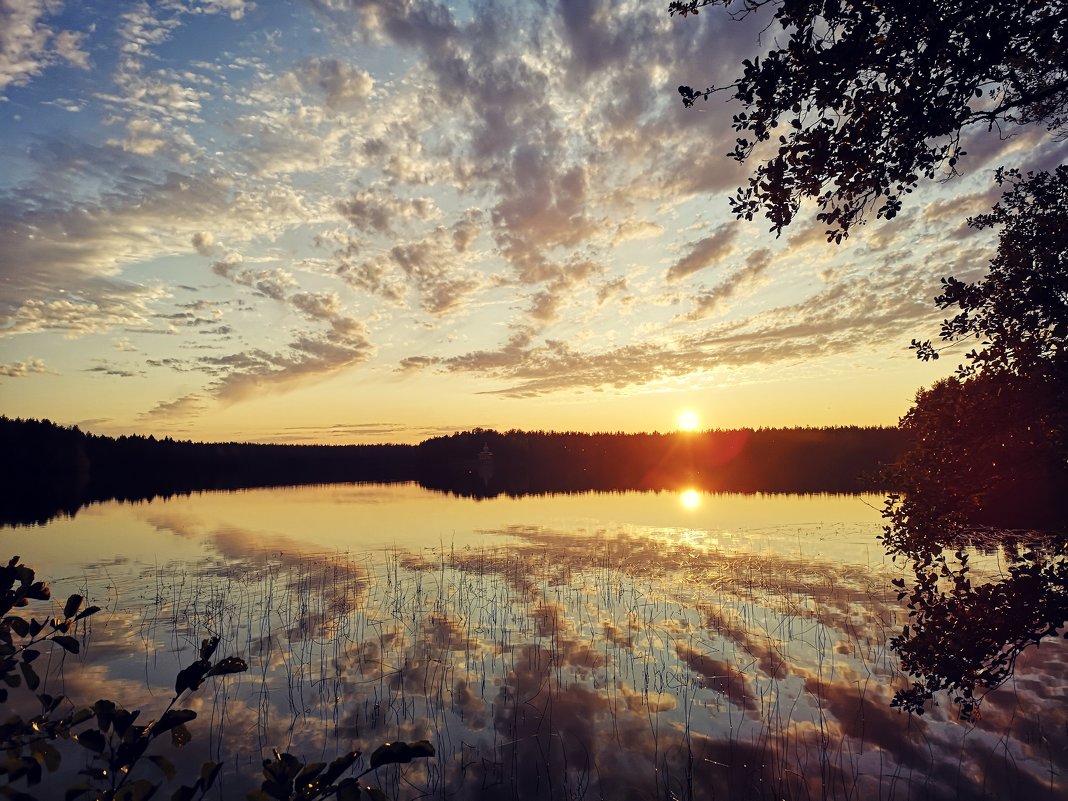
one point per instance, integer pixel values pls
(286, 778)
(117, 742)
(965, 636)
(988, 451)
(1019, 310)
(857, 100)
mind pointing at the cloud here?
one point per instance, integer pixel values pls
(29, 45)
(23, 369)
(63, 262)
(855, 315)
(310, 357)
(610, 290)
(181, 408)
(344, 88)
(434, 267)
(756, 265)
(636, 229)
(713, 248)
(204, 243)
(375, 211)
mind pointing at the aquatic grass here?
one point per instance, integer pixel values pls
(568, 666)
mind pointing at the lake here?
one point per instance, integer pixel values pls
(628, 645)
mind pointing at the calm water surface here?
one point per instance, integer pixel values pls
(633, 645)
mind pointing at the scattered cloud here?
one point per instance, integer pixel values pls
(29, 44)
(23, 369)
(710, 250)
(181, 408)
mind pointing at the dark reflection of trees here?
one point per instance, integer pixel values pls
(842, 459)
(50, 470)
(965, 633)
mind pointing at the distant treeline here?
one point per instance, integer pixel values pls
(49, 469)
(843, 459)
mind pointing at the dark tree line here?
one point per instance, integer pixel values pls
(846, 459)
(51, 469)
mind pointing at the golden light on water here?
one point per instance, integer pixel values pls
(690, 498)
(688, 420)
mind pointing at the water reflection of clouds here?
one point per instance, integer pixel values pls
(615, 661)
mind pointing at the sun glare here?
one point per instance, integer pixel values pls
(688, 420)
(690, 499)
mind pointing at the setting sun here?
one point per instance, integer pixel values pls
(690, 499)
(688, 420)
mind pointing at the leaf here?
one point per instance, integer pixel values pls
(207, 648)
(172, 718)
(74, 603)
(67, 643)
(348, 790)
(29, 655)
(18, 625)
(28, 673)
(392, 753)
(339, 766)
(123, 720)
(92, 739)
(139, 790)
(231, 664)
(46, 754)
(165, 765)
(80, 716)
(76, 791)
(209, 772)
(89, 610)
(192, 677)
(374, 793)
(105, 713)
(180, 736)
(309, 772)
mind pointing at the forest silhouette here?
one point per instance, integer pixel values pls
(53, 469)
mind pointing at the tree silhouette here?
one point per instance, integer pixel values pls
(858, 99)
(855, 103)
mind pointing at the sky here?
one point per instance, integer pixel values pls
(382, 220)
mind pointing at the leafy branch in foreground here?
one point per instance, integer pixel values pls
(286, 778)
(118, 743)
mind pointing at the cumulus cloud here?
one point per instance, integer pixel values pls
(204, 243)
(22, 369)
(343, 87)
(377, 211)
(29, 44)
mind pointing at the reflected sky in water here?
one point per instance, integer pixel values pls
(635, 645)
